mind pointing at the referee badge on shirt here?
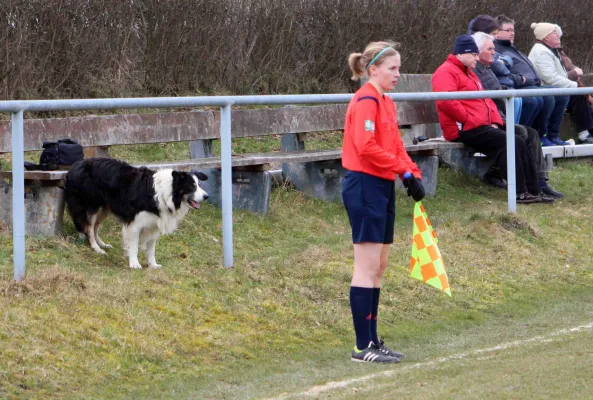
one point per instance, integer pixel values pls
(369, 126)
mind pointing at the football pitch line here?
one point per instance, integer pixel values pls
(328, 387)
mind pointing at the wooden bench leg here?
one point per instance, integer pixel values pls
(429, 165)
(464, 161)
(549, 162)
(320, 179)
(201, 149)
(251, 189)
(323, 179)
(44, 208)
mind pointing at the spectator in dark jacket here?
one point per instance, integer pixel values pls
(489, 81)
(531, 107)
(545, 114)
(477, 123)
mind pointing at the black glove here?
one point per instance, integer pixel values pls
(415, 188)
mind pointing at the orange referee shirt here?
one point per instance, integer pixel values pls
(372, 143)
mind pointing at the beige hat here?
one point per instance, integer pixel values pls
(543, 29)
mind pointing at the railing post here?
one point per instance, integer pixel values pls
(227, 185)
(18, 195)
(511, 175)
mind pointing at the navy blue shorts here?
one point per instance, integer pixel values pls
(370, 204)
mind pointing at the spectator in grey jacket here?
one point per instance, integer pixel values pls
(547, 113)
(489, 81)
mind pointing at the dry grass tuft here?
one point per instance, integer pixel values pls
(512, 222)
(47, 282)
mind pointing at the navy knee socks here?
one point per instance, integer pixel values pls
(361, 304)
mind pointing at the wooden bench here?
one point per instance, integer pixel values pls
(315, 172)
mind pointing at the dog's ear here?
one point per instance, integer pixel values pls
(200, 175)
(174, 201)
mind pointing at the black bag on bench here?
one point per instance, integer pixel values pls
(64, 152)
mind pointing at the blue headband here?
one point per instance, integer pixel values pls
(377, 56)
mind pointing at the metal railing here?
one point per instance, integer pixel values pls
(18, 107)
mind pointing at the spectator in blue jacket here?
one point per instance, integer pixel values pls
(502, 69)
(501, 66)
(545, 113)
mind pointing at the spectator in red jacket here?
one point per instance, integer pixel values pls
(477, 123)
(372, 154)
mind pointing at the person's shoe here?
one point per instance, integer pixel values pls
(587, 140)
(545, 199)
(372, 354)
(528, 198)
(494, 180)
(386, 350)
(557, 141)
(546, 142)
(550, 192)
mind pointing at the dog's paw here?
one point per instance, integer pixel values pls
(135, 265)
(99, 250)
(154, 266)
(107, 246)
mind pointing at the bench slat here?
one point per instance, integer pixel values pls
(251, 159)
(126, 129)
(38, 175)
(248, 159)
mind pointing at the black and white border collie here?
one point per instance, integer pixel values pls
(149, 203)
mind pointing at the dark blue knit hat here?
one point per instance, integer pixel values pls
(465, 44)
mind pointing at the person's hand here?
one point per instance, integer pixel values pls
(524, 79)
(414, 185)
(495, 126)
(579, 71)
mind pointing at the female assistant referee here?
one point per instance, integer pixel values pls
(373, 153)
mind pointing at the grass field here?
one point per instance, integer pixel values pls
(84, 326)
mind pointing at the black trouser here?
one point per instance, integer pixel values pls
(534, 144)
(582, 113)
(492, 142)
